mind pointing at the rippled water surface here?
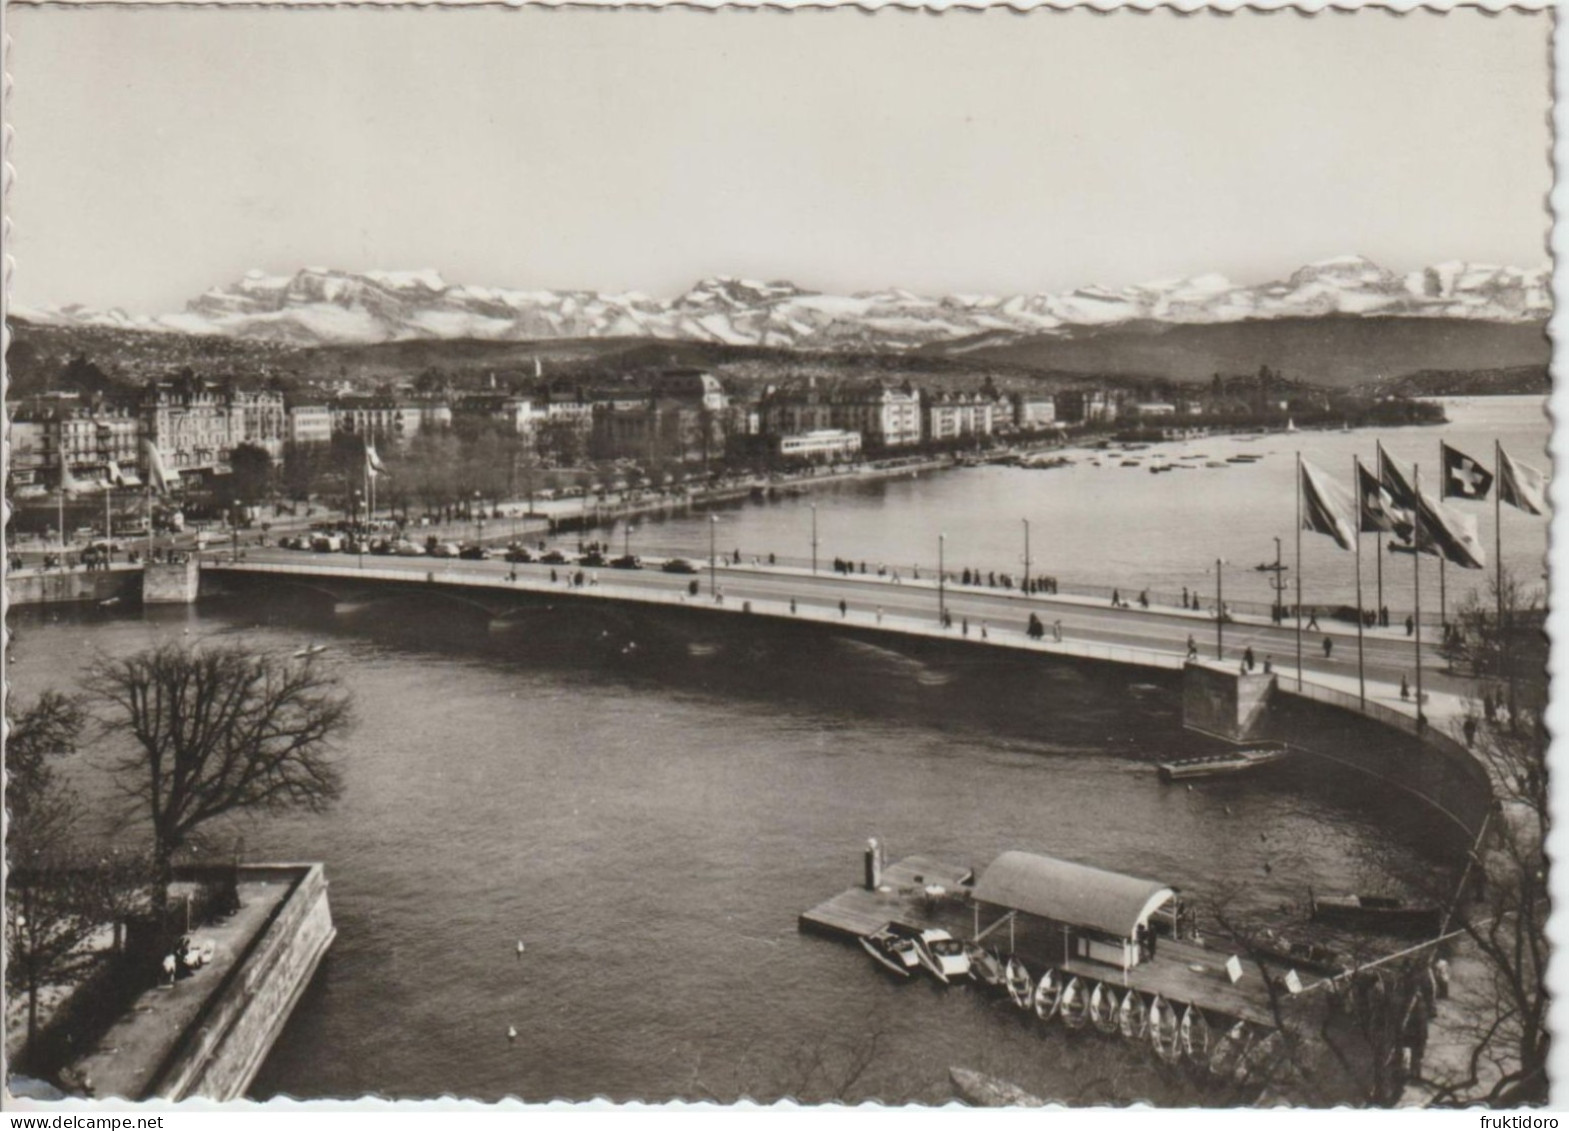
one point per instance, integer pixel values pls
(651, 832)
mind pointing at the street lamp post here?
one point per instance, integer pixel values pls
(713, 554)
(1278, 583)
(626, 540)
(814, 539)
(1026, 555)
(1220, 611)
(479, 521)
(234, 528)
(942, 594)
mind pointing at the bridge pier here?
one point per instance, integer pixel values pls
(1224, 702)
(171, 583)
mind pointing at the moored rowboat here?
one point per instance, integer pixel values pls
(985, 967)
(1075, 1004)
(1048, 995)
(1163, 1030)
(1103, 1008)
(1194, 1031)
(1133, 1017)
(1021, 988)
(1228, 1051)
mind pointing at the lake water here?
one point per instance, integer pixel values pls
(1121, 526)
(652, 835)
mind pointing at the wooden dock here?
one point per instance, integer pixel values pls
(900, 898)
(1183, 972)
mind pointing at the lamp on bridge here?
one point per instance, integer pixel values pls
(814, 539)
(1026, 585)
(1220, 609)
(942, 596)
(626, 538)
(713, 553)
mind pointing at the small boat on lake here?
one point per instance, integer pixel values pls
(1103, 1008)
(1164, 1030)
(1048, 995)
(1133, 1017)
(1075, 1004)
(894, 953)
(941, 953)
(1021, 987)
(1376, 913)
(1226, 764)
(1193, 1031)
(980, 1090)
(1228, 1051)
(985, 967)
(310, 650)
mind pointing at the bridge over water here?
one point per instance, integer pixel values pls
(1322, 708)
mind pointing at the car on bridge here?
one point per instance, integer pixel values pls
(555, 557)
(409, 550)
(445, 550)
(627, 561)
(593, 558)
(520, 554)
(679, 565)
(474, 553)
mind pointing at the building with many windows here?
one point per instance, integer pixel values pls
(820, 447)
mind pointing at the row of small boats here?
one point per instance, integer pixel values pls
(1176, 1033)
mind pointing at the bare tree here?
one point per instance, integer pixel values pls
(49, 914)
(219, 730)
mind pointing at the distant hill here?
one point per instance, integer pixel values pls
(1520, 379)
(1335, 350)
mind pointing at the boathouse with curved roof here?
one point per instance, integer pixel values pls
(1099, 913)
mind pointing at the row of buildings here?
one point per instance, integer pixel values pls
(679, 415)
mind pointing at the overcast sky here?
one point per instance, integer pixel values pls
(161, 152)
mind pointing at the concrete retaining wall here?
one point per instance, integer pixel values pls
(220, 1056)
(167, 583)
(78, 586)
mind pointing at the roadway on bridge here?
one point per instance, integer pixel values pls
(1388, 654)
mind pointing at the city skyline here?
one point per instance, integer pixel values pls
(842, 151)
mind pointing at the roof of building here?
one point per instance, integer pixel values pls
(1070, 893)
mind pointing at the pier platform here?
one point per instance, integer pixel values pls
(901, 897)
(1183, 972)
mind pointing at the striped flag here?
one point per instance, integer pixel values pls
(1327, 507)
(1521, 485)
(1449, 534)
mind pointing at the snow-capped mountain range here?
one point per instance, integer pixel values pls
(323, 306)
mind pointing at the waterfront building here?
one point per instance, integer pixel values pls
(685, 415)
(1148, 409)
(310, 424)
(885, 416)
(1034, 412)
(957, 416)
(196, 423)
(378, 419)
(821, 447)
(99, 441)
(1086, 406)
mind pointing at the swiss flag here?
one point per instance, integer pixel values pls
(1464, 478)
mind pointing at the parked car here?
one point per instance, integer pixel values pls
(445, 550)
(627, 561)
(592, 559)
(520, 554)
(555, 557)
(409, 550)
(473, 553)
(679, 565)
(327, 543)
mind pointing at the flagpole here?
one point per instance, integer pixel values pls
(1356, 478)
(1299, 571)
(1498, 528)
(1443, 600)
(1379, 537)
(1416, 571)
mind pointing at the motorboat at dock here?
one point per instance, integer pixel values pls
(893, 952)
(1376, 913)
(1226, 764)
